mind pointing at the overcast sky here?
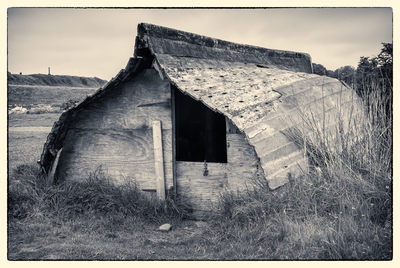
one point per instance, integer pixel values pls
(99, 42)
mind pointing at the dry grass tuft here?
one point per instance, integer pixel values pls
(340, 209)
(29, 195)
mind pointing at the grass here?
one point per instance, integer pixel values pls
(32, 120)
(28, 96)
(25, 142)
(96, 195)
(24, 147)
(54, 80)
(83, 220)
(340, 209)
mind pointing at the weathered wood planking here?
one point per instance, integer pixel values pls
(50, 176)
(134, 105)
(121, 154)
(179, 43)
(183, 49)
(115, 132)
(261, 101)
(243, 163)
(201, 192)
(312, 106)
(158, 160)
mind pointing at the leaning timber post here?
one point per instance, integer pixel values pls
(50, 177)
(159, 160)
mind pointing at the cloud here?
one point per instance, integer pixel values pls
(98, 42)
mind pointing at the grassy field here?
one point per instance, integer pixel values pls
(340, 210)
(32, 120)
(27, 96)
(27, 132)
(26, 136)
(54, 80)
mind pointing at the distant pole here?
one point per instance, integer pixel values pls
(49, 71)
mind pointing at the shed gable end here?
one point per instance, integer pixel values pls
(114, 133)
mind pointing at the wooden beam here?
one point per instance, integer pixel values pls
(173, 138)
(50, 177)
(158, 160)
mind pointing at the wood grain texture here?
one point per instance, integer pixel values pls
(164, 40)
(261, 102)
(50, 176)
(173, 141)
(253, 87)
(283, 176)
(115, 133)
(158, 160)
(184, 49)
(203, 192)
(196, 190)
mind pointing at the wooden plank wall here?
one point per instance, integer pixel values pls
(202, 192)
(115, 132)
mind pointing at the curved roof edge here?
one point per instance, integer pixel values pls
(155, 42)
(152, 39)
(55, 138)
(163, 40)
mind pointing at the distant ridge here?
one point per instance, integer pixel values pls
(54, 80)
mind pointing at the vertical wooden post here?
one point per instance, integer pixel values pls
(173, 139)
(159, 160)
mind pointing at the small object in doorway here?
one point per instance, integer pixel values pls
(205, 171)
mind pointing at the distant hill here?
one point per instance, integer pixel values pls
(54, 80)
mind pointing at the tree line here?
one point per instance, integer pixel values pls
(371, 75)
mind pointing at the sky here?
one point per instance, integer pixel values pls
(99, 42)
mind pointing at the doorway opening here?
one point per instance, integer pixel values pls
(200, 133)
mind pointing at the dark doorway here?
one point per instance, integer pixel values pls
(200, 132)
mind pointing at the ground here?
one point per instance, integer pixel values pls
(92, 238)
(329, 215)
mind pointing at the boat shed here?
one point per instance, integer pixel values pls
(197, 116)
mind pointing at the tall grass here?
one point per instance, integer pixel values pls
(30, 195)
(341, 208)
